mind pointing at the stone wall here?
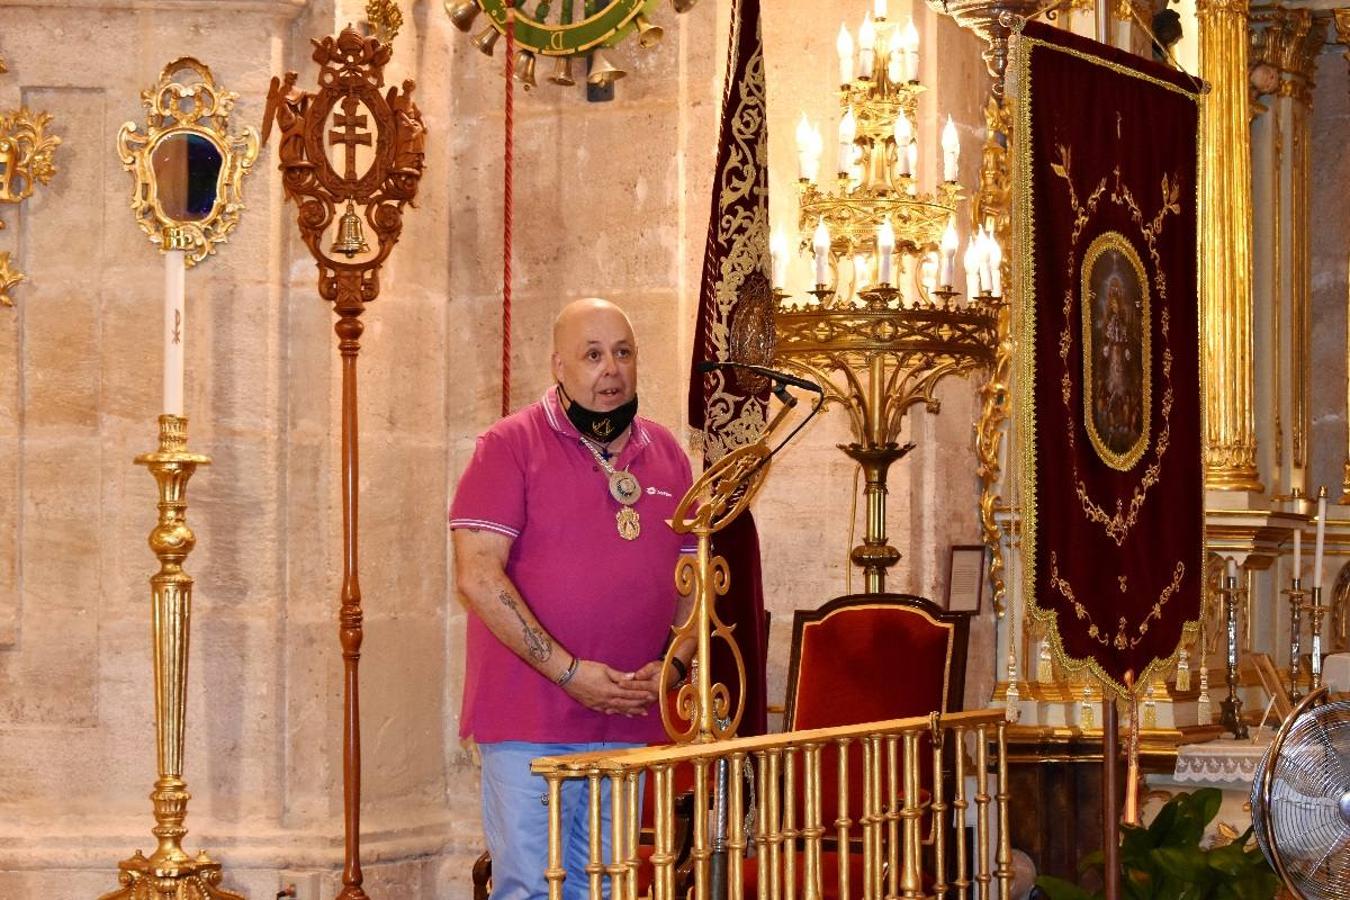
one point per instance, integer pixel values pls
(612, 199)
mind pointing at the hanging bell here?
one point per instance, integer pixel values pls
(649, 35)
(683, 6)
(462, 14)
(603, 72)
(486, 40)
(351, 240)
(525, 69)
(562, 72)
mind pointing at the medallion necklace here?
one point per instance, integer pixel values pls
(623, 487)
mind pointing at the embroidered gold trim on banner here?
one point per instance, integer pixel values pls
(732, 421)
(1024, 278)
(1112, 328)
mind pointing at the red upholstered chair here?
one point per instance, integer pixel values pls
(864, 658)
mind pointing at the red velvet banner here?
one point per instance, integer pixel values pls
(1109, 392)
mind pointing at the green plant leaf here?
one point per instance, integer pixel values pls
(1059, 889)
(1183, 863)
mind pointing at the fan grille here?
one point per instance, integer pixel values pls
(1309, 811)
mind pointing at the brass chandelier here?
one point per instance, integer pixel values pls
(884, 323)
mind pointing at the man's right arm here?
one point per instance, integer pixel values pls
(480, 575)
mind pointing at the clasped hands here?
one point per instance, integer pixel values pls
(598, 687)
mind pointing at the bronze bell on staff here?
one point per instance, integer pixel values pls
(525, 69)
(486, 39)
(603, 72)
(562, 72)
(462, 14)
(351, 238)
(649, 35)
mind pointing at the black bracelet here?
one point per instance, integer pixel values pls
(680, 668)
(566, 676)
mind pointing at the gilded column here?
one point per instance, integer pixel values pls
(1285, 44)
(1225, 214)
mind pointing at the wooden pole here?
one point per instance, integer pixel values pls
(1110, 791)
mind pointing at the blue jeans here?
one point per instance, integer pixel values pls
(515, 820)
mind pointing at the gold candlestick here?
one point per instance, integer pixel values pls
(169, 871)
(1316, 610)
(1230, 716)
(1296, 595)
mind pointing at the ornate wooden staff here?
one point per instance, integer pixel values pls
(380, 181)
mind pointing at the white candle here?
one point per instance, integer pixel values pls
(1232, 568)
(885, 250)
(803, 148)
(995, 266)
(972, 264)
(985, 257)
(951, 150)
(909, 41)
(175, 328)
(778, 253)
(879, 10)
(1298, 551)
(820, 243)
(844, 44)
(947, 269)
(912, 164)
(904, 134)
(848, 130)
(1321, 537)
(867, 40)
(860, 276)
(895, 63)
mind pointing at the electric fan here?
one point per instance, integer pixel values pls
(1301, 799)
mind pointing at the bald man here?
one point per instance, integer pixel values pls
(564, 558)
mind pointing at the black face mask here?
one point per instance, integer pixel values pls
(601, 427)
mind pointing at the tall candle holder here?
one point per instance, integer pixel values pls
(878, 360)
(169, 871)
(1316, 609)
(1295, 593)
(1230, 716)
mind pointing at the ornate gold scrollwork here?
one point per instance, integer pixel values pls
(187, 134)
(8, 278)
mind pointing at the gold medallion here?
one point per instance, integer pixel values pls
(624, 487)
(629, 524)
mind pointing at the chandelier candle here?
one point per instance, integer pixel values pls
(867, 37)
(951, 150)
(909, 46)
(820, 243)
(885, 251)
(844, 44)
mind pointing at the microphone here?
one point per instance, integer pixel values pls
(708, 365)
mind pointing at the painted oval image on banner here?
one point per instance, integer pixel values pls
(1117, 352)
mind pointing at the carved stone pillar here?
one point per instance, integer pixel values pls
(1226, 222)
(1284, 46)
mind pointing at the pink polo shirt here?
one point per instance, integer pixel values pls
(601, 597)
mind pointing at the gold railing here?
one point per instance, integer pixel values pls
(886, 832)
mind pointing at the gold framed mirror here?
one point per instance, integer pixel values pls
(188, 166)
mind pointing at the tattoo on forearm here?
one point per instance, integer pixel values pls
(538, 644)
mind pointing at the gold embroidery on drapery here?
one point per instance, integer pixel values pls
(1120, 640)
(1117, 525)
(732, 421)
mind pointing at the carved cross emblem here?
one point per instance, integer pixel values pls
(352, 134)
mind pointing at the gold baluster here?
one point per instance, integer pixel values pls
(868, 821)
(911, 878)
(891, 811)
(789, 834)
(736, 827)
(761, 824)
(939, 810)
(595, 868)
(1004, 829)
(663, 857)
(555, 873)
(811, 827)
(878, 816)
(982, 812)
(960, 804)
(618, 833)
(701, 852)
(843, 822)
(633, 795)
(774, 824)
